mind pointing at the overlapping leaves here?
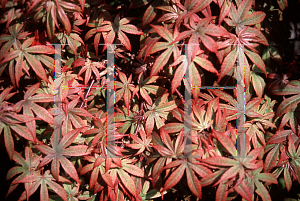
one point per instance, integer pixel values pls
(29, 56)
(119, 26)
(289, 105)
(53, 11)
(58, 152)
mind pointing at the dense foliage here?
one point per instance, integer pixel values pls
(158, 40)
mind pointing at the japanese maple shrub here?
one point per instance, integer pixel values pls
(164, 51)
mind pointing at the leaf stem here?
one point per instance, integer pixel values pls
(86, 95)
(178, 92)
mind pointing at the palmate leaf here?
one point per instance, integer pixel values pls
(29, 56)
(99, 130)
(182, 13)
(195, 6)
(194, 74)
(100, 164)
(73, 193)
(158, 112)
(141, 143)
(240, 17)
(241, 45)
(261, 115)
(16, 34)
(68, 80)
(58, 152)
(119, 26)
(288, 107)
(125, 121)
(115, 179)
(164, 57)
(166, 147)
(293, 118)
(70, 116)
(174, 150)
(42, 180)
(123, 176)
(201, 30)
(105, 141)
(231, 109)
(191, 169)
(202, 117)
(173, 13)
(288, 162)
(53, 10)
(28, 166)
(97, 166)
(145, 86)
(29, 106)
(100, 14)
(255, 134)
(73, 40)
(124, 89)
(167, 150)
(201, 120)
(189, 9)
(9, 121)
(279, 79)
(88, 67)
(235, 167)
(254, 183)
(291, 88)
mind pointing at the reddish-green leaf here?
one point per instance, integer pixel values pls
(193, 182)
(271, 159)
(256, 59)
(226, 142)
(57, 154)
(175, 177)
(42, 180)
(243, 191)
(228, 63)
(262, 191)
(127, 181)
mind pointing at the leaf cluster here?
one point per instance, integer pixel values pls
(153, 131)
